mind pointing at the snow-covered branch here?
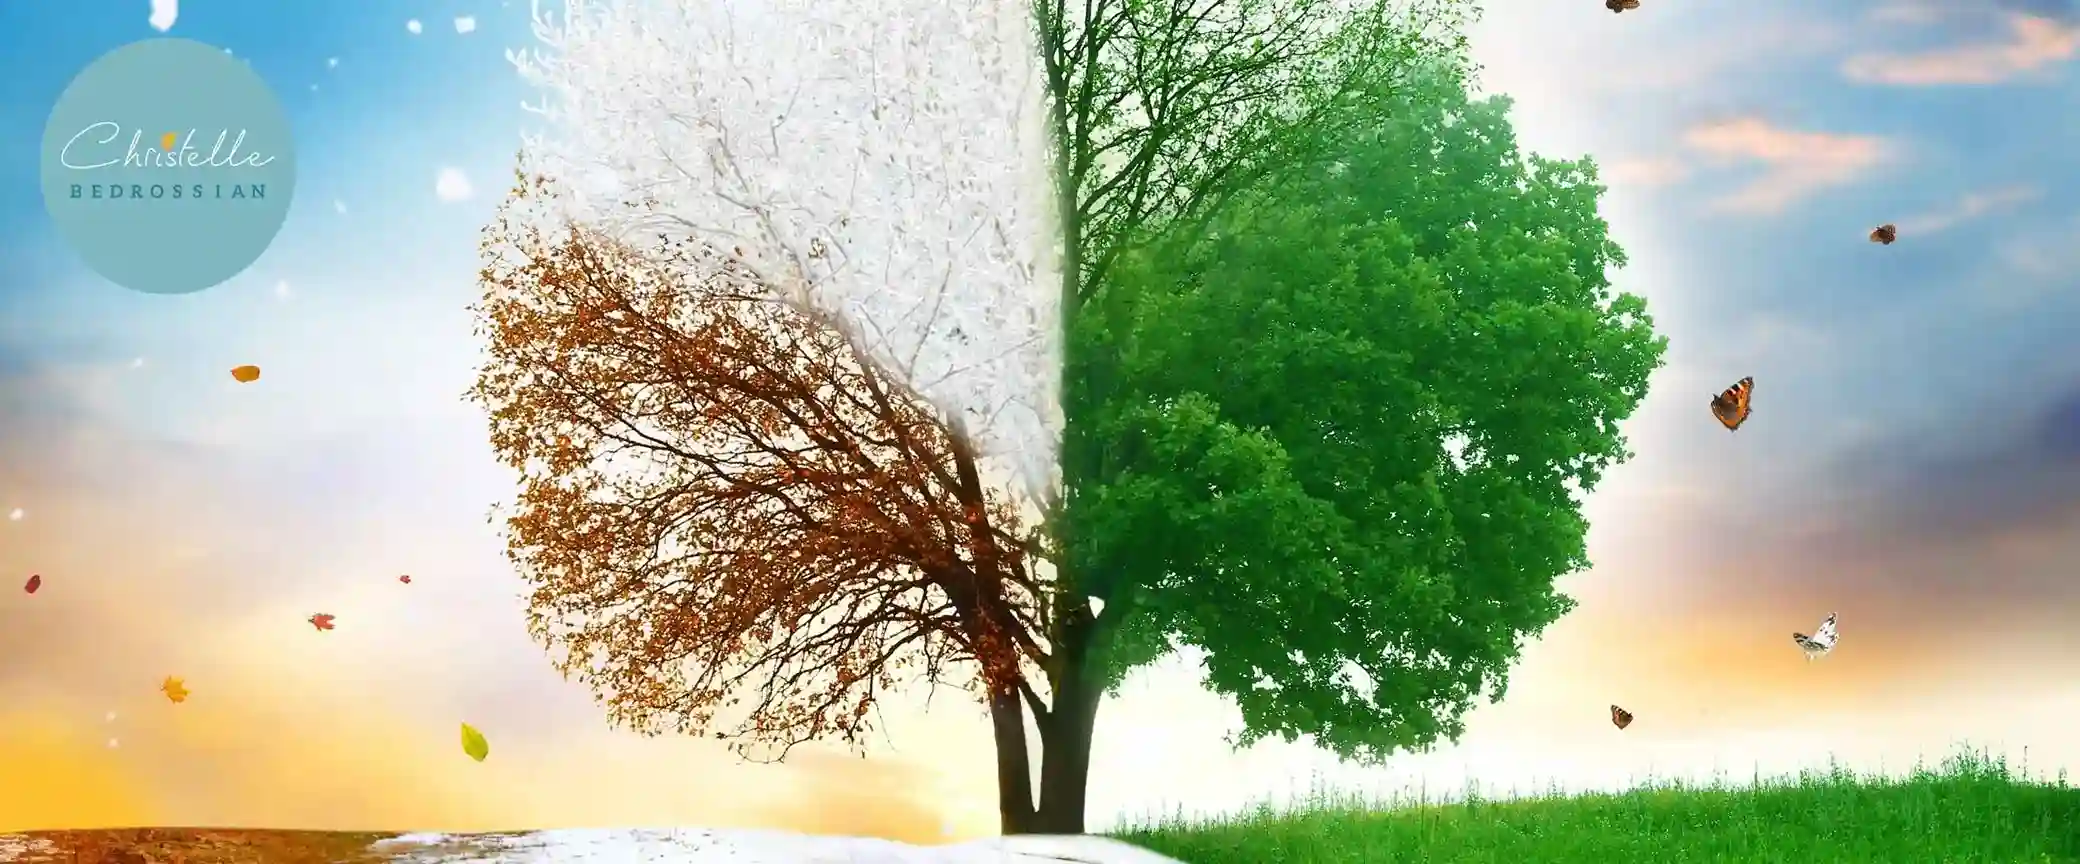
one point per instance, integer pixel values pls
(882, 162)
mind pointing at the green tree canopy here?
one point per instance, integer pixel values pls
(1344, 425)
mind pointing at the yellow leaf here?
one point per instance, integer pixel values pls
(174, 690)
(245, 374)
(474, 744)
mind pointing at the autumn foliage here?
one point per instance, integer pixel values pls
(730, 520)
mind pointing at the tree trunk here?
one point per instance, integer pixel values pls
(1065, 758)
(1007, 721)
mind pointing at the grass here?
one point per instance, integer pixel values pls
(1969, 810)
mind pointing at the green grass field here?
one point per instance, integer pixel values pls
(1968, 810)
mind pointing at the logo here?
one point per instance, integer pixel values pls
(168, 166)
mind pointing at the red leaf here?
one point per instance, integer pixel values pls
(405, 579)
(35, 582)
(321, 621)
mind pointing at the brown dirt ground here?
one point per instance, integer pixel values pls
(189, 846)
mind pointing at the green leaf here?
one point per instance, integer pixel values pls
(474, 744)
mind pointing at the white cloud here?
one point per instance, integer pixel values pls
(466, 24)
(137, 363)
(163, 13)
(1649, 172)
(413, 26)
(1968, 208)
(339, 206)
(281, 290)
(452, 185)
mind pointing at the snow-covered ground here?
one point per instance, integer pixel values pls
(695, 846)
(701, 846)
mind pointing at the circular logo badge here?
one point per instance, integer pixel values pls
(168, 165)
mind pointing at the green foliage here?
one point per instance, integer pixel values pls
(1334, 435)
(1970, 811)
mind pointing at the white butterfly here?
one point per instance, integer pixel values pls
(1822, 640)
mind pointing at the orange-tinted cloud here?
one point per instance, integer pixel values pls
(1792, 164)
(2032, 44)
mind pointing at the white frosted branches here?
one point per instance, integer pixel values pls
(878, 161)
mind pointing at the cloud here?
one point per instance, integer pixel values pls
(1794, 164)
(2033, 43)
(452, 185)
(1907, 12)
(1968, 208)
(465, 24)
(413, 26)
(1649, 172)
(163, 14)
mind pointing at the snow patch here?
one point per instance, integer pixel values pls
(704, 846)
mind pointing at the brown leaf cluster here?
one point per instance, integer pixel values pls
(725, 510)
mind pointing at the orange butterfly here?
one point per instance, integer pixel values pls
(1620, 717)
(1731, 406)
(1620, 5)
(1885, 234)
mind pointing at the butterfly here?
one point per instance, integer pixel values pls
(1620, 717)
(1885, 234)
(1821, 642)
(321, 621)
(1620, 5)
(1731, 405)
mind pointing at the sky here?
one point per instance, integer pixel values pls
(1913, 462)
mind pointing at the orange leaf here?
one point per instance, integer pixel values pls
(245, 374)
(321, 621)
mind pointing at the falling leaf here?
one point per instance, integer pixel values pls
(245, 374)
(1885, 234)
(321, 621)
(167, 140)
(174, 690)
(35, 582)
(473, 743)
(406, 579)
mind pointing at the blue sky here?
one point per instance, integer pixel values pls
(1913, 462)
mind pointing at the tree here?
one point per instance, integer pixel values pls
(722, 497)
(1161, 114)
(842, 176)
(1349, 422)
